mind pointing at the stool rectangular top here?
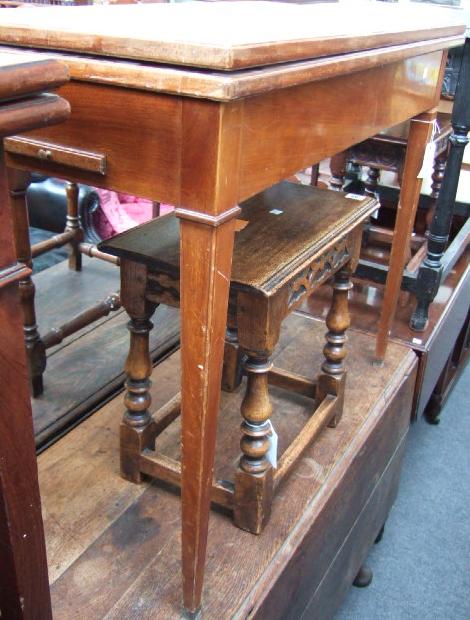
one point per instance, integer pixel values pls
(281, 230)
(226, 36)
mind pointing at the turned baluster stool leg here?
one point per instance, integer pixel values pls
(254, 477)
(35, 350)
(338, 170)
(136, 424)
(232, 372)
(333, 378)
(73, 225)
(372, 182)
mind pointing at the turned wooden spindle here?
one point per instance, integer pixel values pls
(253, 480)
(436, 184)
(372, 181)
(338, 170)
(138, 369)
(431, 269)
(35, 350)
(73, 225)
(333, 378)
(256, 410)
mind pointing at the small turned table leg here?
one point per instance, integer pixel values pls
(338, 170)
(232, 371)
(35, 349)
(135, 427)
(372, 182)
(73, 225)
(333, 378)
(254, 477)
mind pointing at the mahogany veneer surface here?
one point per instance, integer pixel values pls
(228, 35)
(114, 547)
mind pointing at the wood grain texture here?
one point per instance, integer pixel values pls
(287, 130)
(137, 133)
(226, 86)
(231, 35)
(122, 559)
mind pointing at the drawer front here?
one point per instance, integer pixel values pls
(47, 152)
(122, 139)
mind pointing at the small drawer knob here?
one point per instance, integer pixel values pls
(45, 154)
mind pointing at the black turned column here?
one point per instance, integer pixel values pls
(429, 275)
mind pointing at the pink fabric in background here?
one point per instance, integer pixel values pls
(119, 212)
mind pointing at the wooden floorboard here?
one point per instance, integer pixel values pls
(87, 367)
(114, 547)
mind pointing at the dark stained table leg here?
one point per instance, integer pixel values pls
(430, 272)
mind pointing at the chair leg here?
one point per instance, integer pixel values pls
(136, 425)
(338, 170)
(73, 225)
(372, 182)
(333, 377)
(35, 349)
(254, 476)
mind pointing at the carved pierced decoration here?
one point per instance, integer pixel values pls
(322, 268)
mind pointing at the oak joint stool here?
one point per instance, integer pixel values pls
(291, 239)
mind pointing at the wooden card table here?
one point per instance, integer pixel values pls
(202, 105)
(24, 588)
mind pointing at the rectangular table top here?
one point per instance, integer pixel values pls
(226, 36)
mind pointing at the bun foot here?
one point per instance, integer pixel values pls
(363, 577)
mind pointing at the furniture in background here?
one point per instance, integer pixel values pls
(386, 151)
(47, 206)
(432, 260)
(439, 258)
(453, 367)
(24, 589)
(218, 137)
(72, 236)
(293, 238)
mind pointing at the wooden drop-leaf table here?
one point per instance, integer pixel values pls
(202, 105)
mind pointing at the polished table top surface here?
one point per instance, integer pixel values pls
(226, 36)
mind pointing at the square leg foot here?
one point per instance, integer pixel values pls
(252, 500)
